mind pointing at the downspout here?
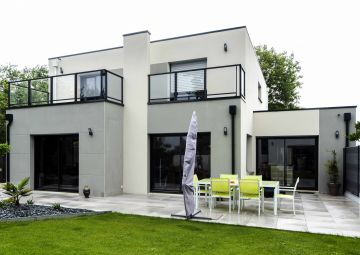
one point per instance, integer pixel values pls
(347, 118)
(232, 111)
(9, 118)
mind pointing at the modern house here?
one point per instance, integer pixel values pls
(116, 119)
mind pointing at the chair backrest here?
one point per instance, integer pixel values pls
(230, 176)
(253, 177)
(195, 180)
(220, 185)
(250, 186)
(295, 187)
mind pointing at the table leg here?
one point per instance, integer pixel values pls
(276, 192)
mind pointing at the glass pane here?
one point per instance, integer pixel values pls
(64, 89)
(19, 93)
(301, 162)
(160, 87)
(351, 166)
(40, 91)
(90, 86)
(167, 157)
(221, 82)
(114, 83)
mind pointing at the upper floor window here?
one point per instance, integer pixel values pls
(259, 92)
(186, 83)
(91, 86)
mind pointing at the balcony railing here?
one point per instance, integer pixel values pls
(98, 85)
(197, 84)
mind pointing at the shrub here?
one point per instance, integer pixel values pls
(16, 192)
(56, 206)
(332, 168)
(4, 148)
(30, 201)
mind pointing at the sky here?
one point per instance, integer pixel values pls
(323, 35)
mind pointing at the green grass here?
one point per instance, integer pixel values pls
(114, 233)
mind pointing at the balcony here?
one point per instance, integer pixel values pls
(82, 87)
(197, 84)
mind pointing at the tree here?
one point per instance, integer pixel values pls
(282, 75)
(19, 94)
(355, 136)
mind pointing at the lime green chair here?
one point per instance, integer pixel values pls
(249, 189)
(232, 178)
(199, 190)
(259, 178)
(220, 188)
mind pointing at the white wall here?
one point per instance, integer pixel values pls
(286, 123)
(68, 119)
(136, 69)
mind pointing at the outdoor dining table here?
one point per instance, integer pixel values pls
(264, 184)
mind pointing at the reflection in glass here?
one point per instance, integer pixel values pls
(286, 159)
(167, 156)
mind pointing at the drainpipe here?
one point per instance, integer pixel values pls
(232, 111)
(9, 118)
(347, 118)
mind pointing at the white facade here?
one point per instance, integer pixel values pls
(125, 163)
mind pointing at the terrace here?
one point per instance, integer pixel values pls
(315, 213)
(197, 84)
(81, 87)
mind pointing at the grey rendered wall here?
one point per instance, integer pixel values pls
(62, 119)
(113, 149)
(213, 116)
(330, 121)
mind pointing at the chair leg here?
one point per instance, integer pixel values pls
(294, 206)
(239, 205)
(230, 204)
(259, 207)
(263, 200)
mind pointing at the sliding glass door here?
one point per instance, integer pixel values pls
(57, 162)
(285, 159)
(167, 157)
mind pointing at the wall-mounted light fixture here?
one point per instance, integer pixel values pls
(61, 70)
(225, 130)
(225, 47)
(91, 133)
(337, 133)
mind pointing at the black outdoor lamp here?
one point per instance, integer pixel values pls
(225, 47)
(90, 132)
(337, 133)
(225, 130)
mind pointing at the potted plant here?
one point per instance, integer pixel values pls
(333, 171)
(86, 191)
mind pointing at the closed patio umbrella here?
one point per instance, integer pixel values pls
(188, 167)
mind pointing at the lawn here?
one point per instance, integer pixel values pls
(115, 233)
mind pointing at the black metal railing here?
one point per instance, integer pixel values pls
(197, 84)
(352, 170)
(97, 85)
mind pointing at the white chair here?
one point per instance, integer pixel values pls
(199, 190)
(289, 196)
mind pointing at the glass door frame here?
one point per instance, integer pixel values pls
(284, 138)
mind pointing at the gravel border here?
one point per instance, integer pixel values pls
(39, 212)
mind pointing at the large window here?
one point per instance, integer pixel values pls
(286, 159)
(167, 157)
(57, 162)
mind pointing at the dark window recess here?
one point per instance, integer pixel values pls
(57, 162)
(3, 169)
(167, 157)
(286, 159)
(259, 92)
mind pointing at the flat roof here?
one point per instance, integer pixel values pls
(306, 109)
(160, 40)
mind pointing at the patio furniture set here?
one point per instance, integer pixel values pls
(236, 190)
